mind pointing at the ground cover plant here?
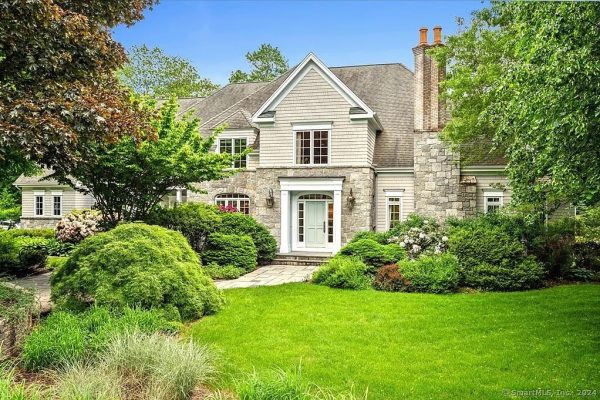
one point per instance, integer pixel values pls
(417, 346)
(136, 265)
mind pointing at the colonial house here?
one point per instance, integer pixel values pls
(336, 150)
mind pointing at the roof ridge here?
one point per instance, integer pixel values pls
(372, 65)
(239, 101)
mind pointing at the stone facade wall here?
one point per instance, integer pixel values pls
(438, 190)
(39, 222)
(256, 185)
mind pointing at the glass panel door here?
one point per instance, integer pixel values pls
(315, 224)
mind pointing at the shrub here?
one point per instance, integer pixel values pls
(241, 224)
(55, 262)
(527, 274)
(432, 274)
(136, 265)
(235, 250)
(64, 338)
(344, 273)
(389, 279)
(373, 253)
(23, 249)
(379, 237)
(227, 272)
(77, 225)
(166, 368)
(420, 236)
(412, 221)
(194, 220)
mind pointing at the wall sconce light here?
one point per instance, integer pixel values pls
(270, 199)
(351, 200)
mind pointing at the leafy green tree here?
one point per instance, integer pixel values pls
(526, 76)
(267, 63)
(127, 179)
(58, 91)
(152, 72)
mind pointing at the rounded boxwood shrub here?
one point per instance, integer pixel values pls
(136, 265)
(194, 220)
(432, 274)
(493, 258)
(379, 237)
(241, 224)
(344, 273)
(528, 274)
(235, 250)
(372, 253)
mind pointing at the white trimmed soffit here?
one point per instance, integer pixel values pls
(484, 169)
(309, 63)
(311, 184)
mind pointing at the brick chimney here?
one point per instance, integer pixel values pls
(429, 110)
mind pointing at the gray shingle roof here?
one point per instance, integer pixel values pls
(37, 178)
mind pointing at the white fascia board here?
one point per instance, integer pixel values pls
(395, 171)
(393, 192)
(474, 169)
(316, 184)
(491, 192)
(310, 62)
(308, 126)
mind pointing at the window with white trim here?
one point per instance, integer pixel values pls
(241, 202)
(234, 146)
(312, 147)
(57, 204)
(38, 203)
(493, 201)
(393, 205)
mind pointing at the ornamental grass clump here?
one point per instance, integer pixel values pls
(136, 265)
(77, 225)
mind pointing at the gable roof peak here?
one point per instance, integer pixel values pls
(309, 62)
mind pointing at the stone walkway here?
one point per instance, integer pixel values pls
(270, 275)
(41, 285)
(263, 276)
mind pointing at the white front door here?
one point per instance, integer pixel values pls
(316, 223)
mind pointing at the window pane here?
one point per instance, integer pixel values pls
(321, 146)
(225, 146)
(393, 211)
(39, 205)
(244, 206)
(301, 222)
(330, 222)
(303, 147)
(239, 147)
(57, 205)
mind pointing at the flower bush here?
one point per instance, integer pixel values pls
(77, 225)
(228, 208)
(428, 239)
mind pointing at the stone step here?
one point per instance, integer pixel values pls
(309, 259)
(283, 261)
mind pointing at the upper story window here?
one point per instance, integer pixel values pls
(234, 146)
(57, 204)
(312, 147)
(493, 201)
(38, 203)
(240, 202)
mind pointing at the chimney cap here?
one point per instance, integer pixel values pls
(423, 36)
(437, 35)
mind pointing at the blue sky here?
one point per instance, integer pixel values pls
(215, 35)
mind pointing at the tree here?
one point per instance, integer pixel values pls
(267, 63)
(58, 91)
(127, 179)
(526, 76)
(152, 72)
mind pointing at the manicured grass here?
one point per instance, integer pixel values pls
(414, 346)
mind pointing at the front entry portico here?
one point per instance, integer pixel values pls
(311, 211)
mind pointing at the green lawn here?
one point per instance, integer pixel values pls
(414, 346)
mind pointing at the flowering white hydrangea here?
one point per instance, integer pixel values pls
(427, 239)
(78, 225)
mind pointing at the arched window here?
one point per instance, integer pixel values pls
(240, 201)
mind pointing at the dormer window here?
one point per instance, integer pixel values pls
(234, 146)
(312, 147)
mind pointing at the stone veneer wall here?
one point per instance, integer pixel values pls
(39, 222)
(438, 190)
(256, 185)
